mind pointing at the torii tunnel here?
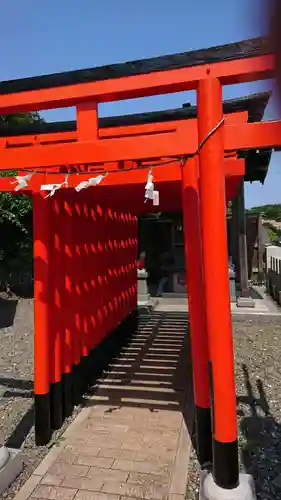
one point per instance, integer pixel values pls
(86, 243)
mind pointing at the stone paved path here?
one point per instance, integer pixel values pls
(264, 306)
(131, 441)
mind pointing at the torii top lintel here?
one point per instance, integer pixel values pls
(243, 61)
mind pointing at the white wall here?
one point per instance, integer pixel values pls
(273, 272)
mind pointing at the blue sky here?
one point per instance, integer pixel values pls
(39, 37)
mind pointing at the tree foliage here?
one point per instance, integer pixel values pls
(272, 212)
(20, 119)
(272, 233)
(16, 210)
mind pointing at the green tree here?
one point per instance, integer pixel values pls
(272, 211)
(271, 233)
(16, 210)
(21, 119)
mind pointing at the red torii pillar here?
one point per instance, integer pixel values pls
(216, 281)
(56, 339)
(42, 291)
(196, 306)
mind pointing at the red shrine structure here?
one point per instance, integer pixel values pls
(85, 243)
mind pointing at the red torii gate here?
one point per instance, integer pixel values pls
(62, 273)
(168, 177)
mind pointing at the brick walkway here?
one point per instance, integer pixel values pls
(131, 440)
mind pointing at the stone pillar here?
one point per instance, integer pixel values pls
(143, 295)
(244, 300)
(242, 242)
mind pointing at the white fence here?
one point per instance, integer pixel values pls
(273, 272)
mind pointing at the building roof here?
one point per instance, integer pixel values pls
(255, 104)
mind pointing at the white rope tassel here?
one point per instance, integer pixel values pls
(156, 198)
(149, 187)
(93, 181)
(22, 181)
(81, 185)
(54, 187)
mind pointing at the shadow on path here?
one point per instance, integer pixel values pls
(261, 451)
(22, 389)
(152, 369)
(22, 429)
(7, 312)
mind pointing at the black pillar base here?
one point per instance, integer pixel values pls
(225, 464)
(77, 394)
(43, 430)
(204, 440)
(84, 369)
(56, 405)
(67, 394)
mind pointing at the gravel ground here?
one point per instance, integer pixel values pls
(16, 362)
(258, 377)
(16, 386)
